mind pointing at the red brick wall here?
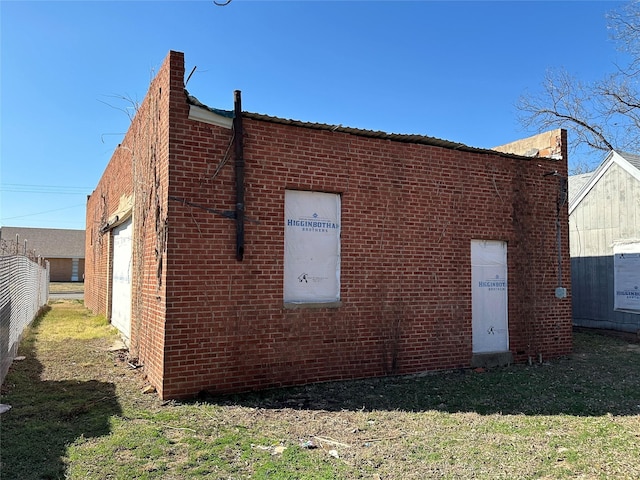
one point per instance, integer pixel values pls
(61, 269)
(115, 181)
(138, 168)
(409, 213)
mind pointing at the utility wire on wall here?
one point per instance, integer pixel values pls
(561, 200)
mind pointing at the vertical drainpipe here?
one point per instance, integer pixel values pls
(239, 151)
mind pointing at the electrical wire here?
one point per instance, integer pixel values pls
(47, 189)
(41, 213)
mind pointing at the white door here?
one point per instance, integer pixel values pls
(489, 296)
(121, 286)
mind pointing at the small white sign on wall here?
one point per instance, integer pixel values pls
(626, 276)
(311, 247)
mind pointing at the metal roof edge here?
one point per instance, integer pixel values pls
(191, 100)
(397, 137)
(205, 115)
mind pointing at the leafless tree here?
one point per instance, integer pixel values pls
(602, 115)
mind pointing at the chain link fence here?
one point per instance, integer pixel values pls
(24, 291)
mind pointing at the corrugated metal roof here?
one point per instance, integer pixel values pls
(48, 242)
(406, 138)
(397, 137)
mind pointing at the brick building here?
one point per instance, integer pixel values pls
(62, 248)
(237, 251)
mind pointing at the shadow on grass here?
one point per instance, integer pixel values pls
(47, 416)
(601, 377)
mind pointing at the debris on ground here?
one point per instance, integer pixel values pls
(307, 444)
(118, 346)
(149, 389)
(273, 449)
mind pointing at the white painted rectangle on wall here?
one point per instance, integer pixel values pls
(121, 278)
(626, 276)
(490, 330)
(311, 247)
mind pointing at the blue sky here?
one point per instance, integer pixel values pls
(447, 69)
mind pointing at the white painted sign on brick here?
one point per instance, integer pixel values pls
(311, 247)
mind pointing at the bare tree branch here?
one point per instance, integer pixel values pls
(129, 110)
(565, 103)
(603, 115)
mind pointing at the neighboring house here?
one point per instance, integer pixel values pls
(604, 229)
(238, 251)
(62, 248)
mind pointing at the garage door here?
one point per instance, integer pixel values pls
(121, 286)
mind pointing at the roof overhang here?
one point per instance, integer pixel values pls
(124, 211)
(207, 116)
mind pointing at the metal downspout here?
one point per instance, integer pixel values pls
(239, 151)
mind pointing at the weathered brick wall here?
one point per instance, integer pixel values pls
(409, 213)
(60, 269)
(204, 321)
(545, 144)
(103, 201)
(138, 169)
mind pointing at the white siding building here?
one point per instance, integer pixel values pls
(604, 231)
